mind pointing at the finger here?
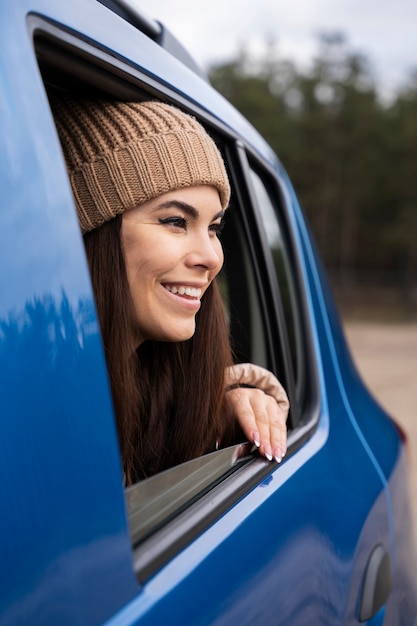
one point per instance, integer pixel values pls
(278, 431)
(259, 411)
(242, 407)
(262, 409)
(271, 425)
(262, 419)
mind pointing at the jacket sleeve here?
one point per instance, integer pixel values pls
(252, 375)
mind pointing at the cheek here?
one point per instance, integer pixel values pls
(142, 253)
(139, 271)
(220, 254)
(134, 262)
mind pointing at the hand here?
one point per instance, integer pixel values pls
(262, 419)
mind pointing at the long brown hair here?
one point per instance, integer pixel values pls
(168, 397)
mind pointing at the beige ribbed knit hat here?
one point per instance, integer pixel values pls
(120, 154)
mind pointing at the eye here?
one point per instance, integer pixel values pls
(177, 221)
(217, 228)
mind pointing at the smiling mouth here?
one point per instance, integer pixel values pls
(182, 290)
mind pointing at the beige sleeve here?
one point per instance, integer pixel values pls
(259, 377)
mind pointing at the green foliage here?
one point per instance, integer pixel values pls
(352, 157)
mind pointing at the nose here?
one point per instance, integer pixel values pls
(207, 252)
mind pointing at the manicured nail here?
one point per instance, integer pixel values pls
(256, 439)
(268, 453)
(278, 455)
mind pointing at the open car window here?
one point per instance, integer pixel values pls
(168, 510)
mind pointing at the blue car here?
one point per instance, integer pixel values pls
(325, 537)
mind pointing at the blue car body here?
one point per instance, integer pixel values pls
(323, 538)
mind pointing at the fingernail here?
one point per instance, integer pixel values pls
(268, 453)
(277, 452)
(256, 439)
(278, 455)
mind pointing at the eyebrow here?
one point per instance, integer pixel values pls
(187, 208)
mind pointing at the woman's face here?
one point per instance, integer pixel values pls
(172, 253)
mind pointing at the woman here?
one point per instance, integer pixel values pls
(151, 191)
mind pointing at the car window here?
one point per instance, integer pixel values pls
(168, 510)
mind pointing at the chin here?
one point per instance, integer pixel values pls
(182, 337)
(179, 335)
(183, 334)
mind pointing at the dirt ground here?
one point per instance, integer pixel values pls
(386, 356)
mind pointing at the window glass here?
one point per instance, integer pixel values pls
(240, 293)
(285, 275)
(156, 500)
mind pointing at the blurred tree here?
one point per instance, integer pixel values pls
(351, 157)
(399, 237)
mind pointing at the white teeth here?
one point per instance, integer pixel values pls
(193, 292)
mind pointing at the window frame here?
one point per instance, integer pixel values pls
(304, 415)
(271, 304)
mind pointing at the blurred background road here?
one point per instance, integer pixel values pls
(386, 356)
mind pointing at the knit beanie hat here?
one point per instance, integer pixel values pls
(121, 154)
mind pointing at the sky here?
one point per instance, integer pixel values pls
(383, 30)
